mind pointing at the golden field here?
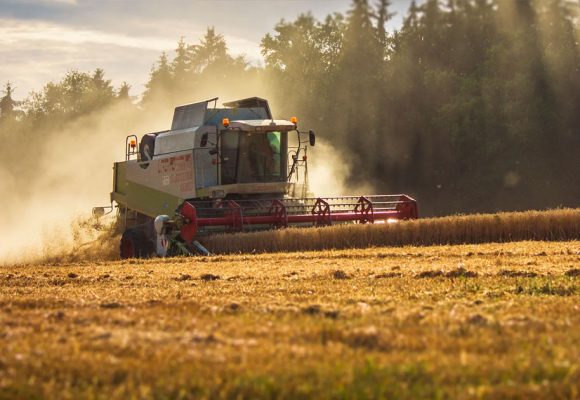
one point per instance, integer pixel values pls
(462, 321)
(560, 224)
(98, 240)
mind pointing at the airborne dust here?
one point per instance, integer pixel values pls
(482, 124)
(46, 217)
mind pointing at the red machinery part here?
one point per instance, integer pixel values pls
(235, 215)
(407, 208)
(189, 229)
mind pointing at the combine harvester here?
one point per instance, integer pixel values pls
(226, 169)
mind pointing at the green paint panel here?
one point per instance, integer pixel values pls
(141, 198)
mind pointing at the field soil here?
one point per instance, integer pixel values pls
(465, 321)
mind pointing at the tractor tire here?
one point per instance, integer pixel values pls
(147, 149)
(134, 244)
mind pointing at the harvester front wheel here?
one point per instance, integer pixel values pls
(134, 244)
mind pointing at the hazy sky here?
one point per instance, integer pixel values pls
(40, 40)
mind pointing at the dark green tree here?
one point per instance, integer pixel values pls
(301, 61)
(181, 65)
(383, 16)
(123, 92)
(160, 84)
(211, 61)
(77, 94)
(360, 73)
(8, 106)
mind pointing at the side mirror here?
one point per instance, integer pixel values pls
(312, 137)
(203, 142)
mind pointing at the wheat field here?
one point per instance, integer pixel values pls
(99, 240)
(563, 224)
(480, 321)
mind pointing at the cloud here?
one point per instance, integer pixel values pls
(70, 2)
(35, 52)
(37, 35)
(39, 3)
(13, 32)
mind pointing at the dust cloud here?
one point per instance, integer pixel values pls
(71, 174)
(45, 215)
(327, 171)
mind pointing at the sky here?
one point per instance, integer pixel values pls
(41, 40)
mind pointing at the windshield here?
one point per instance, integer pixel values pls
(254, 157)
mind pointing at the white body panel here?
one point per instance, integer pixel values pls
(182, 168)
(172, 141)
(205, 170)
(172, 174)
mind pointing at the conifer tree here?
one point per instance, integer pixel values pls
(123, 92)
(8, 105)
(160, 80)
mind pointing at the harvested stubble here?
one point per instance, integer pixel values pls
(448, 324)
(553, 225)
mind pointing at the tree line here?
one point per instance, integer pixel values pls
(471, 106)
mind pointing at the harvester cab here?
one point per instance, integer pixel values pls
(222, 169)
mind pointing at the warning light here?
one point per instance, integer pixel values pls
(226, 122)
(294, 120)
(133, 144)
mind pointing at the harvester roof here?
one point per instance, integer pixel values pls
(198, 114)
